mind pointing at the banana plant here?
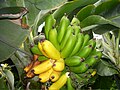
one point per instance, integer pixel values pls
(96, 16)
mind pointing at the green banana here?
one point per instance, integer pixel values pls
(52, 37)
(83, 67)
(69, 46)
(73, 61)
(66, 36)
(64, 23)
(92, 42)
(49, 23)
(79, 42)
(42, 58)
(84, 52)
(86, 39)
(91, 60)
(75, 21)
(69, 84)
(76, 29)
(35, 50)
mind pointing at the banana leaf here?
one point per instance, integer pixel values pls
(11, 38)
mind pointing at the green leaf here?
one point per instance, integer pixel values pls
(11, 38)
(105, 70)
(12, 12)
(101, 29)
(10, 78)
(3, 84)
(70, 6)
(48, 4)
(85, 12)
(105, 6)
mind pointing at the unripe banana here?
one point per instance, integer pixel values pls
(66, 36)
(59, 65)
(49, 23)
(85, 51)
(41, 49)
(69, 46)
(44, 66)
(76, 29)
(69, 84)
(42, 58)
(92, 42)
(75, 21)
(93, 59)
(44, 77)
(64, 22)
(60, 82)
(54, 76)
(50, 50)
(52, 37)
(83, 67)
(35, 50)
(86, 39)
(74, 61)
(78, 45)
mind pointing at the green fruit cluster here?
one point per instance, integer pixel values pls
(76, 48)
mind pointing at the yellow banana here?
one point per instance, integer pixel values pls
(50, 50)
(44, 66)
(28, 67)
(59, 65)
(60, 82)
(44, 77)
(55, 76)
(41, 49)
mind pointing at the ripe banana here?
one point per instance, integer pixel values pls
(42, 58)
(66, 36)
(59, 65)
(75, 21)
(52, 37)
(35, 50)
(54, 76)
(74, 61)
(64, 23)
(30, 74)
(69, 46)
(69, 84)
(50, 50)
(41, 49)
(35, 57)
(44, 77)
(29, 66)
(60, 82)
(79, 42)
(83, 67)
(44, 66)
(85, 51)
(49, 23)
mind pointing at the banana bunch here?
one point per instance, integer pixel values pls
(65, 45)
